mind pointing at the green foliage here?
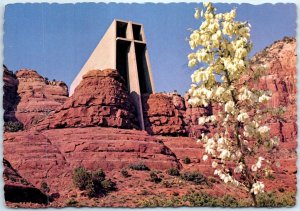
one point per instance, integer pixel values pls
(167, 184)
(201, 199)
(125, 173)
(173, 172)
(272, 199)
(13, 126)
(72, 202)
(108, 185)
(186, 160)
(194, 176)
(139, 167)
(44, 187)
(81, 178)
(154, 177)
(94, 183)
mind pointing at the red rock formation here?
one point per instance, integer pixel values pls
(163, 114)
(100, 99)
(191, 117)
(279, 62)
(10, 97)
(35, 96)
(51, 155)
(18, 189)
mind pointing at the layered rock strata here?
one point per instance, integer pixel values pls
(164, 114)
(101, 99)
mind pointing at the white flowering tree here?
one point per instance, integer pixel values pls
(222, 76)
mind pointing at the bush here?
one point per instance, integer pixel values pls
(203, 199)
(125, 173)
(108, 185)
(81, 178)
(272, 199)
(200, 199)
(173, 172)
(139, 167)
(186, 160)
(13, 126)
(72, 202)
(195, 177)
(44, 187)
(154, 177)
(94, 183)
(167, 184)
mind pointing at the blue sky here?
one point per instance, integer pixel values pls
(57, 39)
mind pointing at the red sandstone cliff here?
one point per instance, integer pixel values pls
(31, 96)
(100, 99)
(163, 114)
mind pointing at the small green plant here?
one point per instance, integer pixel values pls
(139, 167)
(173, 172)
(125, 173)
(186, 160)
(44, 187)
(72, 202)
(194, 176)
(154, 177)
(166, 184)
(13, 126)
(94, 183)
(81, 178)
(24, 182)
(175, 194)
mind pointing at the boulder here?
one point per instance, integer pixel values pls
(163, 114)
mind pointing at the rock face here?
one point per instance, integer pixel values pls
(191, 117)
(52, 155)
(100, 99)
(163, 114)
(10, 97)
(31, 96)
(280, 59)
(17, 189)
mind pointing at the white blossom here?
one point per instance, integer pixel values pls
(257, 188)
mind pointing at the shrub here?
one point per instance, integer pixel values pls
(154, 177)
(139, 167)
(194, 176)
(44, 187)
(108, 185)
(13, 126)
(125, 173)
(200, 199)
(81, 178)
(186, 160)
(167, 184)
(272, 199)
(72, 202)
(173, 172)
(94, 183)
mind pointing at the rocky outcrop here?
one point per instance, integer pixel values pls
(52, 155)
(10, 97)
(101, 99)
(191, 117)
(279, 62)
(163, 114)
(31, 97)
(18, 189)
